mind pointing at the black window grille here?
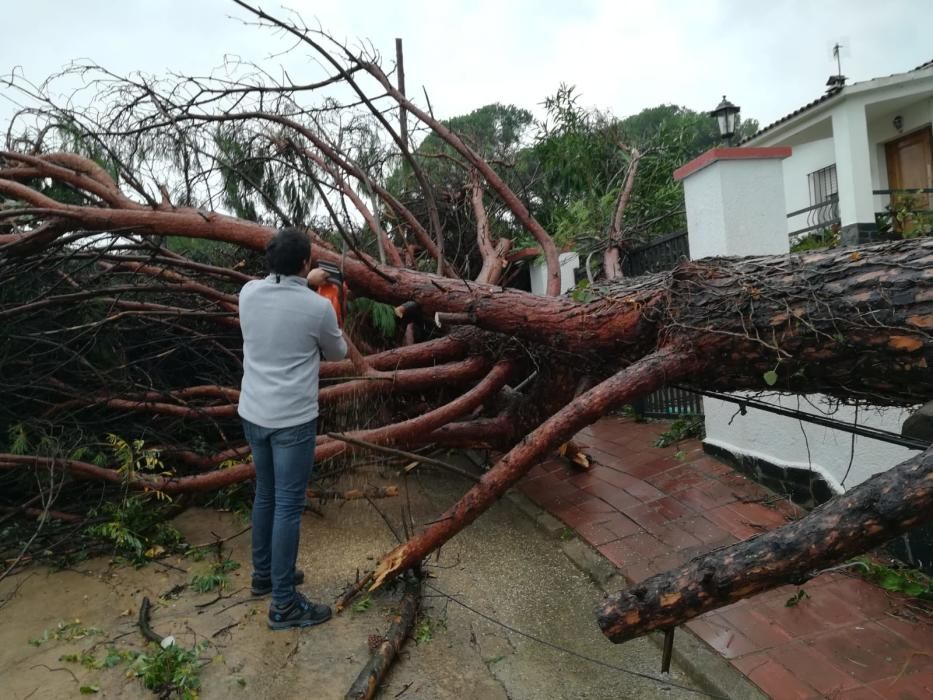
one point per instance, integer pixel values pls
(824, 189)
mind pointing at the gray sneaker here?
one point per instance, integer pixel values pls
(301, 613)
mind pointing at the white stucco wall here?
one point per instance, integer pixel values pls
(784, 441)
(805, 159)
(874, 105)
(538, 271)
(736, 207)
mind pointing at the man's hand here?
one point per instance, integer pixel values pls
(317, 277)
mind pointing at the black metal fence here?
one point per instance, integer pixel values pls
(670, 402)
(662, 254)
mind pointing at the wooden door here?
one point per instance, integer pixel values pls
(910, 167)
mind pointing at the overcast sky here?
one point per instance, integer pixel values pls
(623, 55)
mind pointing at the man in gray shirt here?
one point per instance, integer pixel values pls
(285, 328)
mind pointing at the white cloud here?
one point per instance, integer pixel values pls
(769, 57)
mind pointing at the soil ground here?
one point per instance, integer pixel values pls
(503, 566)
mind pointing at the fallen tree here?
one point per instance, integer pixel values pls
(113, 325)
(869, 515)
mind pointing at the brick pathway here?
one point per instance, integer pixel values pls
(646, 511)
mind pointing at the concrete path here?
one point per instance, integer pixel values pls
(504, 566)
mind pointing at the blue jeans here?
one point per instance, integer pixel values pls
(283, 458)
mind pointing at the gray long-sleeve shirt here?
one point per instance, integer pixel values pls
(284, 325)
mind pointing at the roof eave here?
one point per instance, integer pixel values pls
(789, 122)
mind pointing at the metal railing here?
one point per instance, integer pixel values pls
(822, 215)
(661, 254)
(920, 190)
(908, 211)
(670, 402)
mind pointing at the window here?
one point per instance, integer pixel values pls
(824, 189)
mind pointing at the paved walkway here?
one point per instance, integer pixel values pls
(647, 511)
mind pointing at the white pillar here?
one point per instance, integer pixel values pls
(853, 171)
(735, 202)
(568, 263)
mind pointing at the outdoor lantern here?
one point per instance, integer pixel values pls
(727, 118)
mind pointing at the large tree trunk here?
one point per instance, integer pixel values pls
(881, 508)
(851, 322)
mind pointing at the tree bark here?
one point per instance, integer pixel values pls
(366, 685)
(872, 513)
(642, 377)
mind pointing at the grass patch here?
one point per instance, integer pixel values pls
(426, 628)
(684, 428)
(216, 577)
(362, 605)
(910, 582)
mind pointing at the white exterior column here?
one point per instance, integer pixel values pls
(853, 170)
(735, 202)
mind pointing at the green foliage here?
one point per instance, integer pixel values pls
(568, 169)
(25, 439)
(582, 160)
(206, 251)
(133, 457)
(910, 582)
(66, 632)
(362, 605)
(495, 131)
(262, 181)
(90, 661)
(136, 528)
(682, 429)
(19, 441)
(582, 292)
(425, 629)
(216, 577)
(236, 498)
(796, 598)
(172, 671)
(380, 316)
(908, 216)
(824, 238)
(67, 136)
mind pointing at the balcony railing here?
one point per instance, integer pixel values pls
(908, 212)
(819, 216)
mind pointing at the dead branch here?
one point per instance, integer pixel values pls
(366, 685)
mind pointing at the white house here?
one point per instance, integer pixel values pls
(832, 163)
(852, 147)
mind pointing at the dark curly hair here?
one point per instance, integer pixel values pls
(287, 251)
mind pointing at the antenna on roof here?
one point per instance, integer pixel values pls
(840, 50)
